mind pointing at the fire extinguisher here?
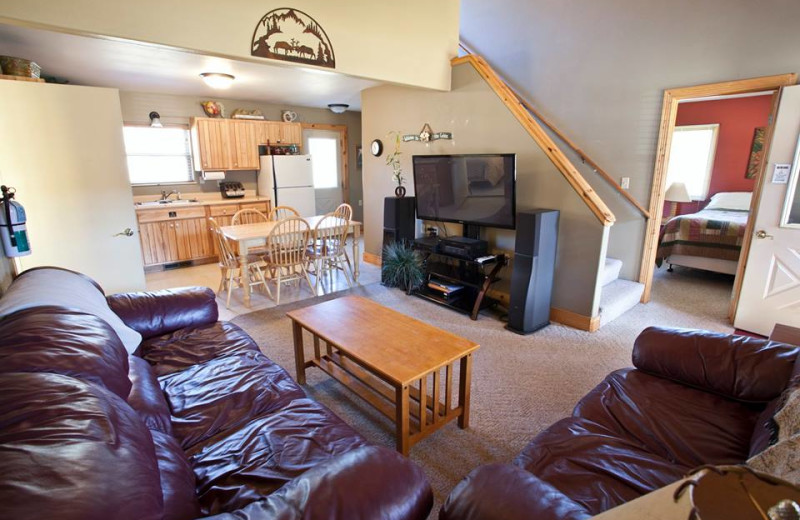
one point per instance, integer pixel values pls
(12, 225)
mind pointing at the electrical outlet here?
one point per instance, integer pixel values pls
(625, 183)
(360, 202)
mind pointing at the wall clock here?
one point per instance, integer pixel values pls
(376, 148)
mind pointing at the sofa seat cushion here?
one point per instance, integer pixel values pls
(67, 342)
(253, 461)
(225, 392)
(678, 423)
(193, 345)
(73, 450)
(146, 396)
(177, 479)
(595, 466)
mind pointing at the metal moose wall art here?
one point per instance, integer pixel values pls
(291, 35)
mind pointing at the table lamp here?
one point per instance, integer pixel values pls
(715, 493)
(676, 192)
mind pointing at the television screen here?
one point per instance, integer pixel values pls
(469, 189)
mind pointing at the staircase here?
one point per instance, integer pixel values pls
(618, 296)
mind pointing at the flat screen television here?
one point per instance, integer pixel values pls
(474, 189)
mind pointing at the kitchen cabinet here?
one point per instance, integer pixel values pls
(232, 144)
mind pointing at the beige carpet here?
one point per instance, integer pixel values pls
(521, 384)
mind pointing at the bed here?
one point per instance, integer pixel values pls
(710, 239)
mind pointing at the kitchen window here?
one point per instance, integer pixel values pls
(691, 158)
(158, 155)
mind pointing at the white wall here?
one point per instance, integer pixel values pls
(599, 69)
(408, 43)
(482, 124)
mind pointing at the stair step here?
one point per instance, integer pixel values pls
(611, 271)
(617, 298)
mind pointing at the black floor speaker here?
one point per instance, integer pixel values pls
(398, 221)
(534, 267)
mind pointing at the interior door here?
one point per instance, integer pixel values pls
(771, 285)
(62, 149)
(325, 148)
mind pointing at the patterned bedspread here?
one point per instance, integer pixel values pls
(712, 233)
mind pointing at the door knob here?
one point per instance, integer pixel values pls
(763, 234)
(126, 232)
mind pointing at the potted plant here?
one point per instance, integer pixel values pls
(402, 267)
(393, 160)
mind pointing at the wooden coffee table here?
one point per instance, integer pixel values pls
(391, 360)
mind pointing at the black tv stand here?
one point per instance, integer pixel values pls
(458, 283)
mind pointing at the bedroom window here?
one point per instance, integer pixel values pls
(158, 155)
(691, 158)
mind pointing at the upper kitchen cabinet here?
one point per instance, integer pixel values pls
(232, 144)
(244, 145)
(273, 132)
(211, 143)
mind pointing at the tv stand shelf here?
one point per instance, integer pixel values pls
(470, 280)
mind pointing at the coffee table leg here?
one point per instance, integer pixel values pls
(401, 408)
(464, 383)
(299, 357)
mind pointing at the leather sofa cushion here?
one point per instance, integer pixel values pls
(225, 392)
(737, 367)
(73, 450)
(271, 450)
(157, 313)
(184, 348)
(177, 479)
(67, 342)
(670, 420)
(594, 466)
(146, 396)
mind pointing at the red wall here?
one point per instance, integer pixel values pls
(737, 119)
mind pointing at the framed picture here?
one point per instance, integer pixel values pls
(359, 157)
(756, 153)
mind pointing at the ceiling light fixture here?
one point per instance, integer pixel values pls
(155, 120)
(218, 80)
(338, 108)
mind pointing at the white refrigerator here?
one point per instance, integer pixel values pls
(289, 181)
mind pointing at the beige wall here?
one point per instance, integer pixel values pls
(178, 109)
(482, 124)
(409, 43)
(599, 69)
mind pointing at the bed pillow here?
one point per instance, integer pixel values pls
(730, 200)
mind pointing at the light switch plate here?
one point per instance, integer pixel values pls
(625, 183)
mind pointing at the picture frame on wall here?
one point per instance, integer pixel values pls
(756, 153)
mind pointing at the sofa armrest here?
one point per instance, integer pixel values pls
(506, 492)
(737, 367)
(369, 482)
(161, 312)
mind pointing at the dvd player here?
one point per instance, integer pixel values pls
(463, 247)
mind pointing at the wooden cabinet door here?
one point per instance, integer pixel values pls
(262, 131)
(193, 239)
(291, 133)
(212, 138)
(244, 145)
(159, 242)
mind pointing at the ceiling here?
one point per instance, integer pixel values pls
(139, 67)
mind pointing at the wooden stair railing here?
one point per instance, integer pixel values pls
(529, 123)
(584, 157)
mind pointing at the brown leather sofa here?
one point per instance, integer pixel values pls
(199, 423)
(694, 398)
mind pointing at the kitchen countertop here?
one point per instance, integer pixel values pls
(211, 201)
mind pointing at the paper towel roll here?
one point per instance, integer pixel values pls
(213, 176)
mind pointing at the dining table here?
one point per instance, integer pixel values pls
(255, 234)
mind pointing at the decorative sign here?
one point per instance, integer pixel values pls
(426, 135)
(291, 35)
(781, 173)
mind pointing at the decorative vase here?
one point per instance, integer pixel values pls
(400, 192)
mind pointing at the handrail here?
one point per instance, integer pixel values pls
(585, 158)
(526, 119)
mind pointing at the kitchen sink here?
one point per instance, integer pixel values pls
(182, 202)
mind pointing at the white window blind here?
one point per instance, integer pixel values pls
(158, 155)
(691, 158)
(324, 162)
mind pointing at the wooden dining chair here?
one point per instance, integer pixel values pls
(344, 211)
(282, 212)
(286, 259)
(251, 216)
(231, 268)
(328, 252)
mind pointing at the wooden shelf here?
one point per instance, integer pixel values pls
(21, 78)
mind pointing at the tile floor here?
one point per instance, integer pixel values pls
(209, 275)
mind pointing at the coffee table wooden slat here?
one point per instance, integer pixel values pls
(387, 359)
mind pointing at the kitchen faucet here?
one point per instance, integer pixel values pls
(165, 196)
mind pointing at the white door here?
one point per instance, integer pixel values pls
(62, 149)
(325, 148)
(771, 285)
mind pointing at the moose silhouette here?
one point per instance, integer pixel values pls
(286, 46)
